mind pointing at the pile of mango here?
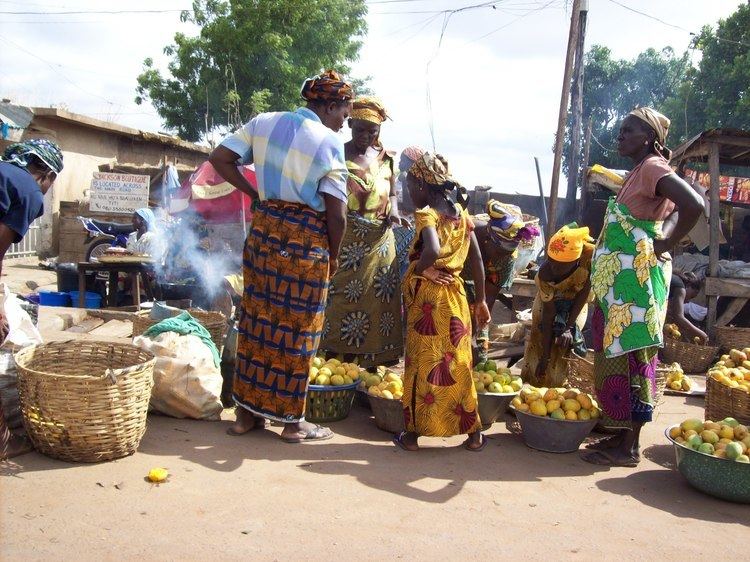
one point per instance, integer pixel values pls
(733, 369)
(557, 403)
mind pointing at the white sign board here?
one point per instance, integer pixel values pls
(118, 193)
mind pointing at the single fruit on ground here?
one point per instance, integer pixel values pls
(158, 474)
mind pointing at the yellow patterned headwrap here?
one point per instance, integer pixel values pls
(369, 109)
(567, 244)
(432, 170)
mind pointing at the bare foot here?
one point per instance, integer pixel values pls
(246, 421)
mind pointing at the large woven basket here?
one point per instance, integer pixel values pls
(723, 401)
(729, 337)
(214, 322)
(581, 376)
(85, 401)
(692, 358)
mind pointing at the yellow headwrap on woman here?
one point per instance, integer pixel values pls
(567, 244)
(369, 109)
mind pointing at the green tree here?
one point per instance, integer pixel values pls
(613, 87)
(717, 92)
(250, 56)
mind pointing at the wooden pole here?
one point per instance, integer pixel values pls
(715, 229)
(544, 217)
(561, 117)
(576, 107)
(585, 177)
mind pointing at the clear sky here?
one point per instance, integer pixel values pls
(494, 83)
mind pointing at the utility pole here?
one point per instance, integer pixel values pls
(576, 107)
(561, 118)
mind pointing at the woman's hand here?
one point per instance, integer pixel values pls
(481, 315)
(661, 247)
(395, 219)
(565, 340)
(439, 276)
(3, 327)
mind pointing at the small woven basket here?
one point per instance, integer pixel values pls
(329, 403)
(729, 337)
(723, 401)
(692, 358)
(214, 322)
(85, 401)
(581, 376)
(388, 414)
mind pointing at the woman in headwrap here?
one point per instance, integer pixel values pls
(630, 277)
(439, 397)
(144, 239)
(560, 307)
(363, 315)
(291, 251)
(499, 232)
(27, 171)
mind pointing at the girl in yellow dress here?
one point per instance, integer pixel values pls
(439, 397)
(560, 307)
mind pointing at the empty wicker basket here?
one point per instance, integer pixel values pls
(731, 337)
(692, 358)
(214, 322)
(85, 401)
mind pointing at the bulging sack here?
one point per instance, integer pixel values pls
(187, 383)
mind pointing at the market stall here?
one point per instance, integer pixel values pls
(717, 148)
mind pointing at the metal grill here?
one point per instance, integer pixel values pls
(28, 246)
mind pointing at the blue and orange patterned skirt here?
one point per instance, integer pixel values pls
(285, 269)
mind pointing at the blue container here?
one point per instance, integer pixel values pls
(91, 300)
(53, 298)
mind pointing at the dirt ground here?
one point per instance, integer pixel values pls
(358, 496)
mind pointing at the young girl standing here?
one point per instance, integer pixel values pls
(439, 397)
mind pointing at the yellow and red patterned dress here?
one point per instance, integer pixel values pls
(439, 396)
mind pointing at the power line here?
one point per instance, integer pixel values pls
(651, 17)
(511, 22)
(54, 69)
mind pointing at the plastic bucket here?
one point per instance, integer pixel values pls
(54, 298)
(551, 435)
(91, 300)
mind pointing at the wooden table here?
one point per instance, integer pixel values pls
(135, 270)
(736, 289)
(523, 287)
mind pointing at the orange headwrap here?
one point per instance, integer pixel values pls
(369, 109)
(328, 86)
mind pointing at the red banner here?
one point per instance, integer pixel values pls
(731, 188)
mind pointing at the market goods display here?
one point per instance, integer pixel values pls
(727, 439)
(677, 380)
(333, 372)
(557, 403)
(694, 356)
(332, 388)
(488, 378)
(713, 457)
(733, 369)
(384, 384)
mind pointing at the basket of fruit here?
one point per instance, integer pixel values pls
(698, 357)
(555, 420)
(330, 394)
(731, 337)
(728, 391)
(384, 391)
(496, 387)
(713, 457)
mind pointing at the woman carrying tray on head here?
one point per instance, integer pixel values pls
(630, 277)
(560, 307)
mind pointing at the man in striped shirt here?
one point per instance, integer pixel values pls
(291, 251)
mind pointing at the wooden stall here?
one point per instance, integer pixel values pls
(718, 147)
